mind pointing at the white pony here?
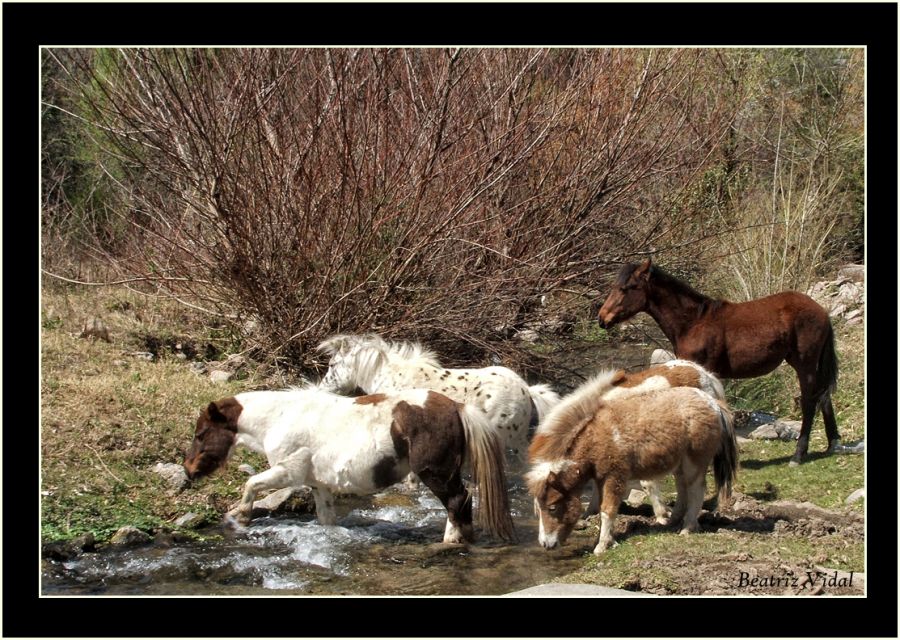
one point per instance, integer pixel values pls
(336, 444)
(374, 365)
(613, 384)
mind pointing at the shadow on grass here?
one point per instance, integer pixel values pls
(759, 464)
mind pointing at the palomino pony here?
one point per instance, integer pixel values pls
(676, 430)
(360, 446)
(582, 403)
(738, 340)
(375, 366)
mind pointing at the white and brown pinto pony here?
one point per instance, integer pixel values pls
(376, 366)
(679, 430)
(609, 385)
(336, 444)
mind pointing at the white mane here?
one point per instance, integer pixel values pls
(371, 341)
(580, 404)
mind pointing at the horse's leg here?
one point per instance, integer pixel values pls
(831, 428)
(458, 503)
(412, 482)
(808, 408)
(695, 481)
(456, 500)
(613, 492)
(681, 488)
(325, 512)
(659, 508)
(594, 506)
(292, 471)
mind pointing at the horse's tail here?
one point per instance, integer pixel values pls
(543, 399)
(715, 386)
(725, 462)
(486, 456)
(827, 371)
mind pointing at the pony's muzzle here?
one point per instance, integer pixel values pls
(549, 544)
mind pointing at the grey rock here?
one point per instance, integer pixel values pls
(198, 367)
(636, 497)
(120, 363)
(853, 447)
(787, 429)
(856, 496)
(528, 335)
(143, 355)
(660, 356)
(190, 519)
(173, 474)
(219, 376)
(765, 432)
(853, 272)
(837, 310)
(246, 468)
(129, 536)
(569, 590)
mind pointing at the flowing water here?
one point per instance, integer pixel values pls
(387, 544)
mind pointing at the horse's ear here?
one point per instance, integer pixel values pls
(643, 271)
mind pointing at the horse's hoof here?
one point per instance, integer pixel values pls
(664, 521)
(236, 520)
(794, 463)
(604, 546)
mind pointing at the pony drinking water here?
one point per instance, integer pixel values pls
(360, 446)
(738, 340)
(678, 430)
(582, 403)
(375, 366)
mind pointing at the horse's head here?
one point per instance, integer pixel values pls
(214, 438)
(353, 361)
(556, 488)
(628, 295)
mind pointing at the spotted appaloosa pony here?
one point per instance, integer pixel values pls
(360, 446)
(738, 340)
(582, 403)
(376, 366)
(677, 430)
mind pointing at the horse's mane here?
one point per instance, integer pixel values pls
(402, 350)
(555, 433)
(666, 280)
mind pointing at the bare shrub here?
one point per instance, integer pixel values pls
(430, 194)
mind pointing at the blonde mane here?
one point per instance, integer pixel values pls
(580, 404)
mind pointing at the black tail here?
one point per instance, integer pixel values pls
(725, 463)
(827, 371)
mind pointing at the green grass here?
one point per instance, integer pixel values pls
(108, 417)
(666, 560)
(823, 480)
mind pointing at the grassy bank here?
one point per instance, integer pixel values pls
(108, 415)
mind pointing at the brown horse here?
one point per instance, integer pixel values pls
(678, 430)
(738, 340)
(584, 401)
